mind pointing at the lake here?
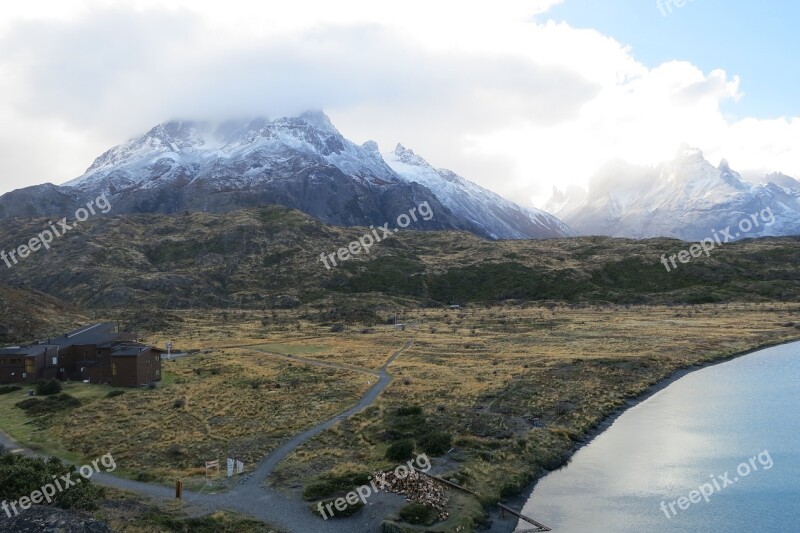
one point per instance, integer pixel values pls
(686, 438)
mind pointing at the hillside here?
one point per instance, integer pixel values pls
(270, 257)
(27, 315)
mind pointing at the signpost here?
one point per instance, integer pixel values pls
(212, 464)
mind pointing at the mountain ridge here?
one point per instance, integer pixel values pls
(686, 198)
(300, 162)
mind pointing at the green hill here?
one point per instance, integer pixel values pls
(270, 257)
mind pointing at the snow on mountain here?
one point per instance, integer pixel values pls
(260, 145)
(301, 162)
(686, 198)
(474, 203)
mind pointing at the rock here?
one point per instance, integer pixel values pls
(416, 488)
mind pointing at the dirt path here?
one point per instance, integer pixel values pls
(252, 498)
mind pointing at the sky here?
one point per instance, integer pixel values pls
(519, 96)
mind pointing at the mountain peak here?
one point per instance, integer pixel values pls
(408, 157)
(319, 120)
(689, 153)
(302, 162)
(372, 147)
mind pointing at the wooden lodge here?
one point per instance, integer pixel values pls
(97, 354)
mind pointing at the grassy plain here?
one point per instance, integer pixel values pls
(515, 386)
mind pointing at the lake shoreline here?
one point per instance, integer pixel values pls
(518, 502)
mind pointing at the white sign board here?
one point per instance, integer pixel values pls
(231, 464)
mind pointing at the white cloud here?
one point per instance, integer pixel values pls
(483, 88)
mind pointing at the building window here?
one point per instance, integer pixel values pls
(113, 369)
(55, 361)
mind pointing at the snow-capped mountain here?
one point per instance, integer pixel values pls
(300, 162)
(471, 202)
(687, 198)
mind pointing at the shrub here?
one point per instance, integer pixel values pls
(321, 489)
(48, 387)
(9, 388)
(51, 404)
(436, 443)
(180, 403)
(401, 450)
(419, 513)
(27, 403)
(329, 484)
(21, 475)
(409, 410)
(349, 510)
(115, 393)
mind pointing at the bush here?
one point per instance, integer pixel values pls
(48, 387)
(321, 489)
(349, 510)
(180, 403)
(419, 513)
(51, 404)
(9, 388)
(115, 393)
(27, 403)
(410, 410)
(21, 475)
(436, 443)
(401, 450)
(329, 484)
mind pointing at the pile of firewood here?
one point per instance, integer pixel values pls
(416, 488)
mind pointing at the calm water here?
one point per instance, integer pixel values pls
(707, 423)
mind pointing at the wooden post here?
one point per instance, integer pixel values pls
(178, 489)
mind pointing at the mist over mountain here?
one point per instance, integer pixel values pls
(300, 162)
(686, 198)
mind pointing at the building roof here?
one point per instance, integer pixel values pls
(130, 351)
(95, 334)
(26, 351)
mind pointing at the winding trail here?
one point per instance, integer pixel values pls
(268, 464)
(263, 502)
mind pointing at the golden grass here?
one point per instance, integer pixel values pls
(481, 374)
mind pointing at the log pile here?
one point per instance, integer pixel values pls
(416, 488)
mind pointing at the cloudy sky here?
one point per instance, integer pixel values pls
(517, 95)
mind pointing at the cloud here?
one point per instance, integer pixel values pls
(492, 91)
